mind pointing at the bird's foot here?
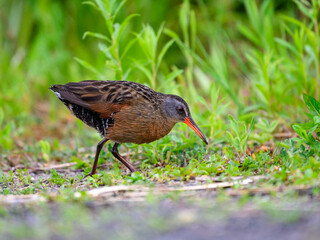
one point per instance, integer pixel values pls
(89, 175)
(132, 169)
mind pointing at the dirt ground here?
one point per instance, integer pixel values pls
(134, 212)
(240, 208)
(166, 219)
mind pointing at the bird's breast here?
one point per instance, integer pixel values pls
(139, 125)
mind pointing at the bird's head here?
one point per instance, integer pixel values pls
(177, 110)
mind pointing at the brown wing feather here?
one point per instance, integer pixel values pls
(103, 97)
(64, 94)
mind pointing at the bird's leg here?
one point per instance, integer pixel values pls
(117, 156)
(96, 158)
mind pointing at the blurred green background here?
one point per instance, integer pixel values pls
(241, 57)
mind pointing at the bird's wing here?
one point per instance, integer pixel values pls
(102, 97)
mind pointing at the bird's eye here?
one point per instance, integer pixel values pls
(180, 110)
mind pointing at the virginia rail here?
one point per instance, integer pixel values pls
(124, 112)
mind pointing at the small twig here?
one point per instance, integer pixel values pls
(284, 135)
(168, 156)
(100, 192)
(24, 199)
(157, 155)
(184, 159)
(59, 166)
(130, 153)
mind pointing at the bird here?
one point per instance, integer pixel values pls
(124, 112)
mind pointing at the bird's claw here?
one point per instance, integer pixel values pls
(88, 175)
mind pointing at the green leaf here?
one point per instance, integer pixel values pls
(316, 119)
(273, 125)
(288, 45)
(146, 71)
(159, 32)
(45, 149)
(308, 173)
(163, 52)
(193, 29)
(183, 19)
(119, 7)
(124, 25)
(106, 50)
(88, 66)
(292, 20)
(96, 35)
(148, 42)
(115, 35)
(174, 74)
(300, 131)
(234, 125)
(304, 7)
(173, 35)
(312, 104)
(249, 34)
(127, 48)
(90, 4)
(309, 126)
(103, 9)
(252, 123)
(1, 116)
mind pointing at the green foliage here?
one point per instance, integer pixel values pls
(240, 133)
(6, 130)
(266, 129)
(111, 41)
(310, 132)
(277, 60)
(137, 178)
(45, 150)
(148, 41)
(56, 178)
(117, 54)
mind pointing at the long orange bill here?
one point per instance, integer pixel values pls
(189, 121)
